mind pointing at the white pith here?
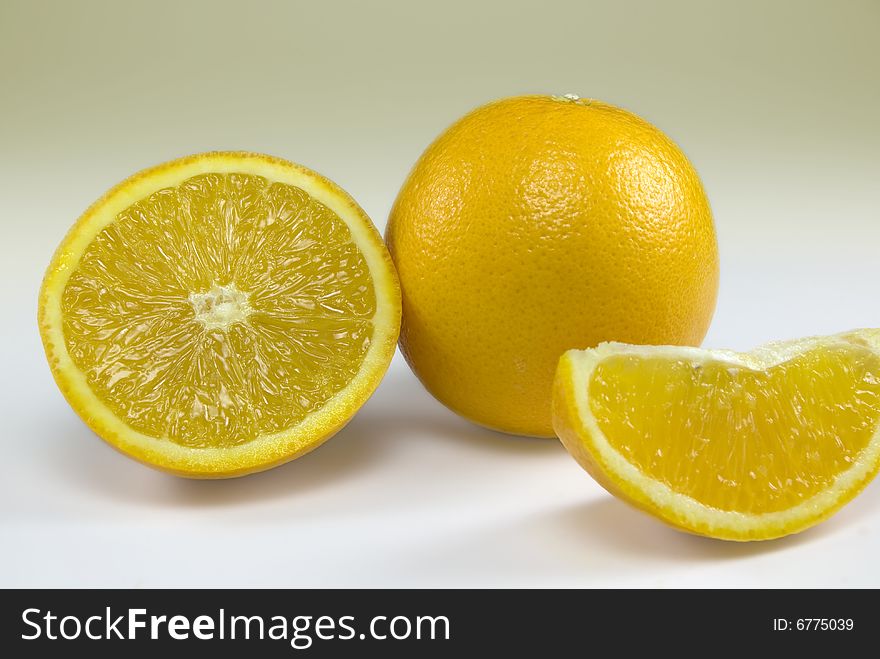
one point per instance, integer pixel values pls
(220, 306)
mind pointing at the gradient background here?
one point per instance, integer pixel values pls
(776, 103)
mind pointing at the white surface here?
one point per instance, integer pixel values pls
(783, 133)
(407, 495)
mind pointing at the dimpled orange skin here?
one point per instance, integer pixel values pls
(536, 224)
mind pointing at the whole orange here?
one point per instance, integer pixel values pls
(536, 224)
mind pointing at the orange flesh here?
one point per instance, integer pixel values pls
(739, 439)
(220, 310)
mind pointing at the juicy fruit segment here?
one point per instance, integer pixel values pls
(219, 310)
(739, 446)
(738, 439)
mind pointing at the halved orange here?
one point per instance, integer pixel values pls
(741, 446)
(220, 314)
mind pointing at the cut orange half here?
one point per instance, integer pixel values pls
(220, 314)
(741, 446)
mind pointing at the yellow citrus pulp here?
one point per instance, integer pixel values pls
(220, 314)
(537, 224)
(741, 446)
